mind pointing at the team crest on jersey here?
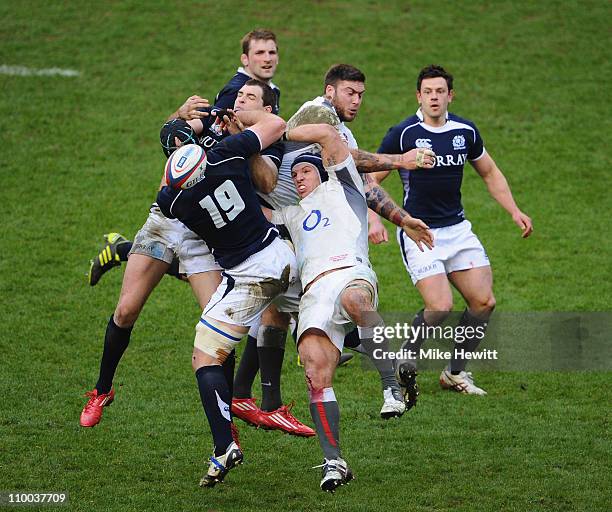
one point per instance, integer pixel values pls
(423, 143)
(458, 142)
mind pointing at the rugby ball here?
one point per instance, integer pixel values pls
(186, 167)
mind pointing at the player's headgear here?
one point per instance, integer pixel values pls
(312, 159)
(176, 128)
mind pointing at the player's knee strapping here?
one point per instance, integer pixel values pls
(363, 288)
(361, 285)
(271, 337)
(217, 342)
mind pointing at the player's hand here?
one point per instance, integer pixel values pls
(231, 123)
(377, 233)
(523, 222)
(419, 232)
(419, 158)
(189, 109)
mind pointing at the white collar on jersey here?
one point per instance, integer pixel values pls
(419, 114)
(243, 71)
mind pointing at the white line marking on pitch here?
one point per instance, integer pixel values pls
(24, 71)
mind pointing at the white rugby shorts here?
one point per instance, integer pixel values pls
(456, 247)
(194, 255)
(162, 239)
(248, 288)
(320, 307)
(159, 237)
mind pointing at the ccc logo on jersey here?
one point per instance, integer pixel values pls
(314, 219)
(423, 143)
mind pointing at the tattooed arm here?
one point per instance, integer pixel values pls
(381, 202)
(374, 162)
(333, 148)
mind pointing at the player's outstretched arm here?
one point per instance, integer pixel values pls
(419, 158)
(333, 148)
(381, 202)
(268, 127)
(500, 191)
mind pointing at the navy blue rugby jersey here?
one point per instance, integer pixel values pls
(434, 195)
(227, 96)
(223, 208)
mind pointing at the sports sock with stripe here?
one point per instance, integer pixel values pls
(216, 400)
(326, 416)
(116, 340)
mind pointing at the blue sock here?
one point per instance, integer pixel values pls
(216, 399)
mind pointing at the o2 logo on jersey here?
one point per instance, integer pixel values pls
(314, 219)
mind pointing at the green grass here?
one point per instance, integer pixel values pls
(81, 157)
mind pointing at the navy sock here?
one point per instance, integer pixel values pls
(123, 249)
(271, 364)
(173, 269)
(116, 341)
(247, 369)
(216, 400)
(228, 370)
(352, 340)
(471, 342)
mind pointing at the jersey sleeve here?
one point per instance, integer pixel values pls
(243, 144)
(165, 198)
(346, 173)
(275, 152)
(278, 217)
(476, 147)
(391, 143)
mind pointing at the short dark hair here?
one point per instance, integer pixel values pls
(267, 94)
(343, 72)
(433, 71)
(260, 33)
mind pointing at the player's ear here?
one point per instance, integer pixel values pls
(418, 97)
(244, 60)
(330, 91)
(268, 109)
(451, 95)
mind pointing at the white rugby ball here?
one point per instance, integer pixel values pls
(186, 167)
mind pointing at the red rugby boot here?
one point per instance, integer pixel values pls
(246, 409)
(92, 412)
(282, 419)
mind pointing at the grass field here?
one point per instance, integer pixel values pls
(80, 157)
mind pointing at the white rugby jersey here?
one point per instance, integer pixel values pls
(284, 194)
(329, 227)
